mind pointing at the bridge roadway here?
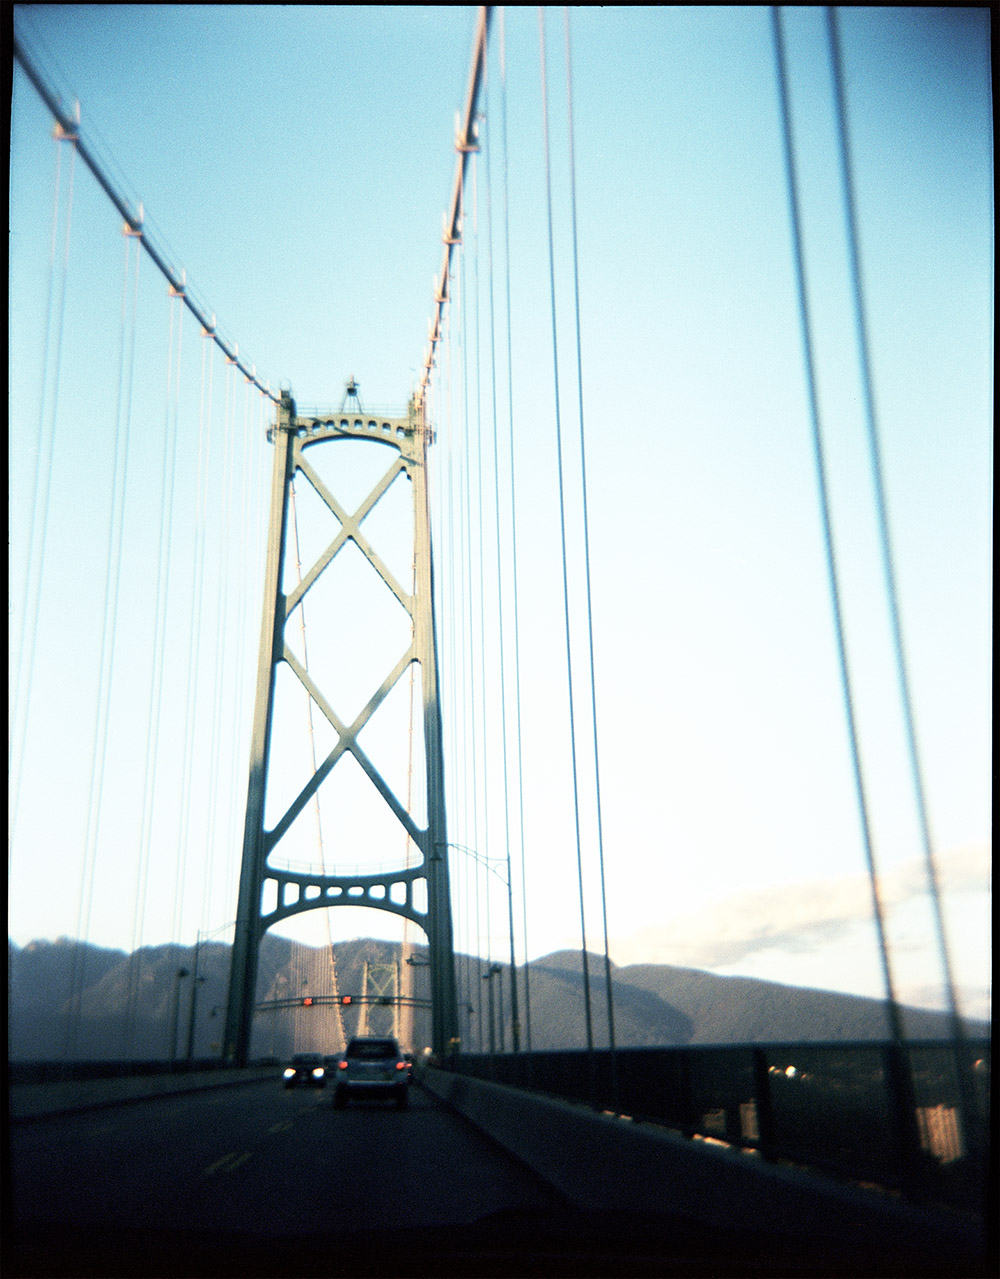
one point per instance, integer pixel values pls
(256, 1180)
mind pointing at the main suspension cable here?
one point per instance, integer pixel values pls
(134, 220)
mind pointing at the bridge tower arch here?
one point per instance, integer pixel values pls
(419, 892)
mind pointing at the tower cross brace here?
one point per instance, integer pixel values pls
(268, 894)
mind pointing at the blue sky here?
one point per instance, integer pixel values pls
(295, 161)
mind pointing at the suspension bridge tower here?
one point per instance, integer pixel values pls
(270, 891)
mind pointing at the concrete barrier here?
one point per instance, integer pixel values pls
(604, 1162)
(41, 1101)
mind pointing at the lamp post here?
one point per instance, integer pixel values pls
(199, 981)
(494, 970)
(175, 1016)
(494, 864)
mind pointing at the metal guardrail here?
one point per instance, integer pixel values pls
(57, 1072)
(912, 1119)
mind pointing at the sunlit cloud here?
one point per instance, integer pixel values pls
(819, 932)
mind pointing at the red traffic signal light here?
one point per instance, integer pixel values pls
(307, 1001)
(347, 999)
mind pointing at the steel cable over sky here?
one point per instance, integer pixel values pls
(135, 221)
(465, 143)
(829, 547)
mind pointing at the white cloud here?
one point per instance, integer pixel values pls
(821, 933)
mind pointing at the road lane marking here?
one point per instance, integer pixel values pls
(282, 1127)
(228, 1163)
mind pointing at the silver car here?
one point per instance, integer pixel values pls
(372, 1068)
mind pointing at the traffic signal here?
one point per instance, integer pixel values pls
(346, 999)
(307, 1002)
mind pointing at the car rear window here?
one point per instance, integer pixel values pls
(377, 1051)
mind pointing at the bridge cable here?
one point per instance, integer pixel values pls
(301, 608)
(469, 647)
(55, 317)
(515, 1011)
(223, 614)
(133, 220)
(586, 557)
(480, 684)
(106, 669)
(155, 704)
(513, 533)
(453, 664)
(562, 530)
(194, 654)
(885, 543)
(892, 1006)
(502, 665)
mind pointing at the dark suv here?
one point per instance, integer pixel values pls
(306, 1068)
(372, 1068)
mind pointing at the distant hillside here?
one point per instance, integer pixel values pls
(659, 1004)
(136, 1006)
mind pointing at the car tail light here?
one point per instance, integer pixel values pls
(341, 1065)
(400, 1065)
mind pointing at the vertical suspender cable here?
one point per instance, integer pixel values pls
(885, 543)
(155, 704)
(454, 670)
(513, 535)
(562, 529)
(112, 583)
(222, 618)
(55, 315)
(296, 550)
(483, 724)
(586, 553)
(515, 1021)
(892, 1007)
(197, 596)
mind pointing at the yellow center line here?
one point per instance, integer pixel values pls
(282, 1127)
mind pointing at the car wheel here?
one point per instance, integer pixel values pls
(402, 1099)
(339, 1099)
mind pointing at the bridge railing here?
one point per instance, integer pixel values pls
(57, 1072)
(912, 1119)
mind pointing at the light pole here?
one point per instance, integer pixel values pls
(175, 1016)
(199, 981)
(195, 983)
(494, 864)
(494, 970)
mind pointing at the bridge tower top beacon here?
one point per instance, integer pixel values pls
(417, 889)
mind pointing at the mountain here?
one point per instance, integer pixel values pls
(655, 1003)
(69, 1000)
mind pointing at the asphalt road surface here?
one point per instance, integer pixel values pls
(259, 1181)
